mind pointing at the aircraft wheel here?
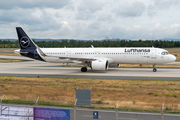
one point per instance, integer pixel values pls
(154, 69)
(83, 69)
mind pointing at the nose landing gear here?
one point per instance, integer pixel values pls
(154, 68)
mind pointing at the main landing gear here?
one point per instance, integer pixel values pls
(154, 68)
(83, 69)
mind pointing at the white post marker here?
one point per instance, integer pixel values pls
(74, 109)
(162, 113)
(116, 113)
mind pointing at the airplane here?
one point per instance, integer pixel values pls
(95, 58)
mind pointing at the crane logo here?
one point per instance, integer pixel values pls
(24, 42)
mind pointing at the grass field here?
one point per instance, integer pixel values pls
(7, 49)
(4, 51)
(139, 94)
(173, 50)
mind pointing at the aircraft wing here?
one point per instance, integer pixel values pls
(76, 58)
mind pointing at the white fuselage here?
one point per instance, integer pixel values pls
(143, 55)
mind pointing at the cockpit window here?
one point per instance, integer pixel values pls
(164, 53)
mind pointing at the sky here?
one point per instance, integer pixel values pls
(91, 19)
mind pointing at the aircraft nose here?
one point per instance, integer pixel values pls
(173, 58)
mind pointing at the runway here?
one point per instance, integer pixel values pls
(42, 69)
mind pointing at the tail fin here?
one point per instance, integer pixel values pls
(28, 47)
(24, 41)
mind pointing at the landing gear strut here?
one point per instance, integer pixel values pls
(83, 69)
(154, 68)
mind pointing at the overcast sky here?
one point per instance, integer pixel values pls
(91, 19)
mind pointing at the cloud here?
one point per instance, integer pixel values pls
(165, 4)
(84, 15)
(87, 8)
(137, 26)
(105, 17)
(90, 5)
(175, 29)
(157, 5)
(134, 9)
(18, 15)
(91, 19)
(175, 25)
(65, 25)
(31, 4)
(157, 25)
(94, 25)
(152, 10)
(40, 21)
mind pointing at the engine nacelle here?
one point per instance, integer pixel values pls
(114, 65)
(99, 65)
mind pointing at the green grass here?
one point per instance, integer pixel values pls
(6, 79)
(156, 94)
(39, 103)
(6, 88)
(174, 95)
(98, 94)
(167, 95)
(172, 84)
(115, 86)
(50, 84)
(99, 102)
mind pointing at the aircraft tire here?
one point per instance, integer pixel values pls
(154, 69)
(83, 69)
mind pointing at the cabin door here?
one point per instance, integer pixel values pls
(153, 54)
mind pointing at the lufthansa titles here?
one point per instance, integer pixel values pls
(137, 50)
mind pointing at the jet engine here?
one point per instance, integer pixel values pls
(99, 65)
(114, 65)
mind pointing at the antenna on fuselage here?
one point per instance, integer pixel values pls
(92, 46)
(64, 46)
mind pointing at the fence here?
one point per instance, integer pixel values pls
(114, 110)
(88, 114)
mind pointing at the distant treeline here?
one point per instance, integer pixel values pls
(96, 43)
